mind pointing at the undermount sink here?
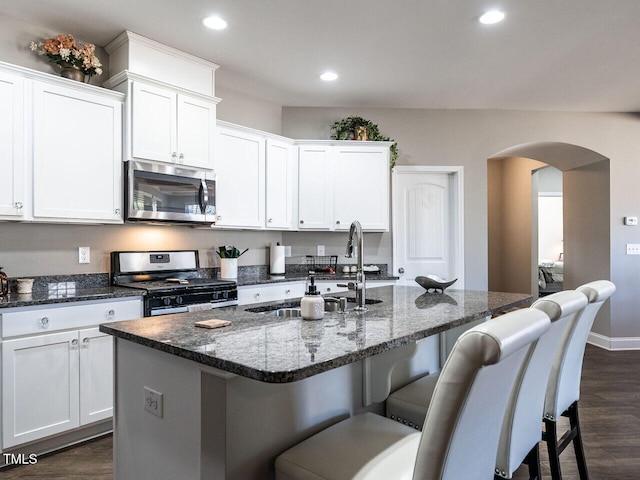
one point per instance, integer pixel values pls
(286, 312)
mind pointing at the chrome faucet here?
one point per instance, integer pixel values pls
(359, 284)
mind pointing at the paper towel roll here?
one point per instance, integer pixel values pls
(277, 260)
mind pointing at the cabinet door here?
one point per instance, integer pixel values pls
(361, 187)
(40, 391)
(314, 188)
(153, 123)
(196, 127)
(281, 182)
(12, 197)
(77, 158)
(240, 179)
(96, 375)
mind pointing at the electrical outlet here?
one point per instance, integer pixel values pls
(631, 221)
(320, 250)
(287, 251)
(153, 401)
(633, 248)
(84, 255)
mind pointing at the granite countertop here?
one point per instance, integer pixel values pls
(279, 350)
(44, 297)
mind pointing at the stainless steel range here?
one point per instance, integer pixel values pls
(172, 281)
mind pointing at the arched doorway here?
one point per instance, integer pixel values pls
(511, 211)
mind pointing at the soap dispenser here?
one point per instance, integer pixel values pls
(312, 304)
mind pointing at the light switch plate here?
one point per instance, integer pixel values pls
(633, 248)
(320, 250)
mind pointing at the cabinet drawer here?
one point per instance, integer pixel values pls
(50, 318)
(269, 293)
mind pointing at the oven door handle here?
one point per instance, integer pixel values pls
(203, 196)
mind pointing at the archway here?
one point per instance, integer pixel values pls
(586, 214)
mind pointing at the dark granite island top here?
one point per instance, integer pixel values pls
(279, 350)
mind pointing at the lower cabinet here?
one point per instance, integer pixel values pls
(56, 382)
(270, 293)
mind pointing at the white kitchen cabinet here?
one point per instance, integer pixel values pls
(57, 368)
(314, 187)
(240, 179)
(77, 167)
(12, 142)
(361, 187)
(171, 127)
(281, 185)
(270, 292)
(339, 182)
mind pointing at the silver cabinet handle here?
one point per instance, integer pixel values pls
(181, 158)
(111, 313)
(401, 270)
(287, 291)
(256, 296)
(337, 222)
(117, 211)
(85, 342)
(301, 222)
(18, 205)
(218, 217)
(270, 220)
(74, 344)
(44, 322)
(174, 157)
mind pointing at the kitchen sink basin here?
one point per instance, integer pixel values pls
(286, 312)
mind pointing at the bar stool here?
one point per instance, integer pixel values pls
(521, 426)
(563, 388)
(460, 437)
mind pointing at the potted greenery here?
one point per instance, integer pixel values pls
(358, 128)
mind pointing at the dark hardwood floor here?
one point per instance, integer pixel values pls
(609, 415)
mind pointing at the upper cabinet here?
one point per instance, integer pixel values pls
(256, 179)
(60, 149)
(340, 182)
(167, 124)
(12, 143)
(76, 175)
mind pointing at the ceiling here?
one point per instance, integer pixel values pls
(568, 55)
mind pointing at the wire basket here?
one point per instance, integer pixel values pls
(323, 264)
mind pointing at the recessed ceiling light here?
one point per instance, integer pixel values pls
(215, 23)
(491, 17)
(329, 76)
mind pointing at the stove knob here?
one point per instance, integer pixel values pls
(166, 301)
(225, 294)
(179, 300)
(215, 295)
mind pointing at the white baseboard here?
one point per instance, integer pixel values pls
(609, 343)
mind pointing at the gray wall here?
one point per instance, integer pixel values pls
(469, 137)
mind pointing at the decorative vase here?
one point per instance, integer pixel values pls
(72, 72)
(360, 133)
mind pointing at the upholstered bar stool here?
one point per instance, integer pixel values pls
(563, 388)
(460, 437)
(521, 426)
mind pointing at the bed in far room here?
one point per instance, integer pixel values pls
(550, 277)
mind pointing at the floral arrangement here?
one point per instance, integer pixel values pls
(65, 51)
(358, 128)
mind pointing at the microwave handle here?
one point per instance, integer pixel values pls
(203, 195)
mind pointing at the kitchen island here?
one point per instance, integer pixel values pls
(223, 403)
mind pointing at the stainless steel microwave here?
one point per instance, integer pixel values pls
(168, 193)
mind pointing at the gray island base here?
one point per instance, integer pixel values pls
(229, 400)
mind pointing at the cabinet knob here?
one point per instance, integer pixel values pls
(74, 343)
(44, 322)
(256, 296)
(337, 222)
(117, 211)
(218, 217)
(181, 158)
(401, 270)
(301, 222)
(174, 157)
(85, 342)
(18, 205)
(270, 220)
(287, 291)
(111, 313)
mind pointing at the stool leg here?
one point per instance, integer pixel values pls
(551, 437)
(533, 462)
(574, 421)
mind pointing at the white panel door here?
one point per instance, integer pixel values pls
(281, 180)
(361, 187)
(314, 188)
(78, 175)
(96, 375)
(12, 195)
(40, 392)
(240, 179)
(153, 123)
(427, 225)
(196, 127)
